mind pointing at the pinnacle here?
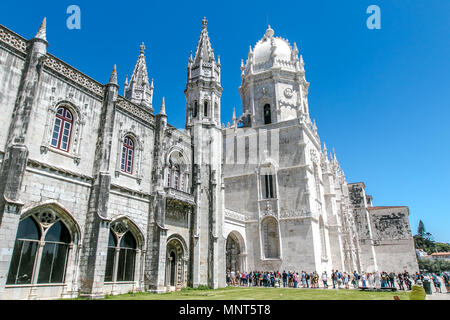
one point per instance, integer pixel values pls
(113, 78)
(42, 33)
(163, 107)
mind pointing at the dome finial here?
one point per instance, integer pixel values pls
(269, 32)
(204, 23)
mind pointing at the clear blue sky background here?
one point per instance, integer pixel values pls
(380, 97)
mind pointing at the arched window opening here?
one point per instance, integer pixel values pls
(269, 232)
(177, 176)
(268, 187)
(206, 109)
(24, 254)
(267, 114)
(121, 256)
(54, 254)
(49, 263)
(195, 109)
(127, 155)
(62, 129)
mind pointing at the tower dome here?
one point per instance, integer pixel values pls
(272, 47)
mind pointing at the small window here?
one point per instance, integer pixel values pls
(206, 109)
(62, 129)
(267, 114)
(127, 155)
(195, 109)
(268, 187)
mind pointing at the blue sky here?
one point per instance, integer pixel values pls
(380, 97)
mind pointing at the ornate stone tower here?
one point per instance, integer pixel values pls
(138, 90)
(273, 86)
(203, 93)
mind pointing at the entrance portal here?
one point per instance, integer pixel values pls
(232, 253)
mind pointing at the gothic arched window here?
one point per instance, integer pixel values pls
(267, 114)
(54, 237)
(268, 187)
(195, 109)
(177, 172)
(127, 155)
(62, 129)
(121, 257)
(206, 109)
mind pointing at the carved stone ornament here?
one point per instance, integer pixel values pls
(120, 227)
(47, 218)
(288, 93)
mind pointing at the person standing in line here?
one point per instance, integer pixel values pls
(284, 279)
(376, 278)
(437, 283)
(339, 278)
(370, 279)
(400, 281)
(392, 280)
(333, 279)
(364, 279)
(446, 279)
(325, 280)
(346, 280)
(307, 280)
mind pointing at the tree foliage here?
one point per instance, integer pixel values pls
(421, 229)
(424, 240)
(434, 265)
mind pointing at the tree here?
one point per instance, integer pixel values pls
(434, 265)
(421, 229)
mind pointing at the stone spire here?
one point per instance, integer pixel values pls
(42, 33)
(113, 78)
(139, 90)
(162, 111)
(204, 51)
(203, 87)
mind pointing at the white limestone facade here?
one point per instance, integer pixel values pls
(100, 195)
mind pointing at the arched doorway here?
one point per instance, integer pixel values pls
(235, 254)
(175, 264)
(232, 253)
(172, 268)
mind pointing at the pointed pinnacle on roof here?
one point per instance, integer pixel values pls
(42, 33)
(204, 23)
(162, 111)
(143, 48)
(113, 78)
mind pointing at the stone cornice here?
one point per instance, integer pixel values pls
(13, 40)
(135, 110)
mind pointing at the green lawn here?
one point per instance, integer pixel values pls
(232, 293)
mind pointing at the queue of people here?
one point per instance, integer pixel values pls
(303, 279)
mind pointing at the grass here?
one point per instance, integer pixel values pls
(233, 293)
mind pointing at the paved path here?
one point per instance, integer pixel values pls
(438, 296)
